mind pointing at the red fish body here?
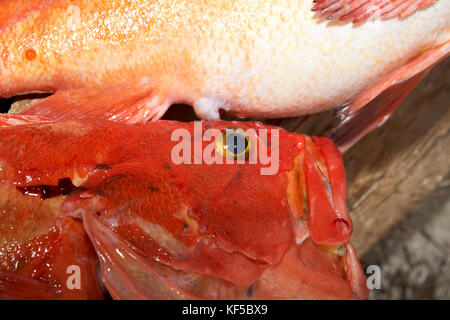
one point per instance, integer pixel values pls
(88, 192)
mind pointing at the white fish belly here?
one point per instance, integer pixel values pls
(287, 63)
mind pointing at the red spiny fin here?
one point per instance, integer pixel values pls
(131, 104)
(125, 273)
(373, 106)
(362, 10)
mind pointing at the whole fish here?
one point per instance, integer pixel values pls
(76, 193)
(130, 60)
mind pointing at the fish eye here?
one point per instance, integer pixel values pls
(234, 144)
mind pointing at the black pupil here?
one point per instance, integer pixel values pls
(236, 142)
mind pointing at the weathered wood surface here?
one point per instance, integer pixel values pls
(398, 164)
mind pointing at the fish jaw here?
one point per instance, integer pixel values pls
(317, 194)
(322, 228)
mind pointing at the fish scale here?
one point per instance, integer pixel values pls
(130, 60)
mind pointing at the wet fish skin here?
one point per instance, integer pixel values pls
(130, 60)
(88, 192)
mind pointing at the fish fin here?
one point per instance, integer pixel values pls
(130, 274)
(119, 104)
(9, 120)
(123, 269)
(17, 287)
(372, 107)
(362, 10)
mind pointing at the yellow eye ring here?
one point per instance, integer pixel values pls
(234, 144)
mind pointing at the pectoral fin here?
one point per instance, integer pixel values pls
(372, 107)
(128, 104)
(129, 274)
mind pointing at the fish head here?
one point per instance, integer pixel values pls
(201, 217)
(176, 211)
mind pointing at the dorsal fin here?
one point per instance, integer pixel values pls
(362, 10)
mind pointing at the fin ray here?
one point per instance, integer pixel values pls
(373, 106)
(362, 10)
(119, 104)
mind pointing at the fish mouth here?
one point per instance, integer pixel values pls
(322, 264)
(325, 269)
